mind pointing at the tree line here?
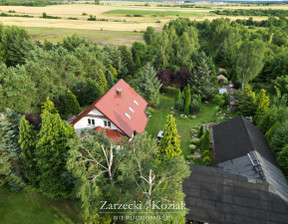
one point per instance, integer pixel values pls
(253, 12)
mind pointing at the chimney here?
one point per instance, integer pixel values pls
(119, 92)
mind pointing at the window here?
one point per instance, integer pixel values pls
(127, 115)
(89, 121)
(105, 123)
(131, 109)
(109, 124)
(93, 122)
(136, 102)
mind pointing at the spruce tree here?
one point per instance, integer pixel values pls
(27, 141)
(187, 99)
(51, 154)
(148, 85)
(169, 145)
(72, 106)
(202, 80)
(10, 164)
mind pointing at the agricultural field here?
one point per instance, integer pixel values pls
(115, 21)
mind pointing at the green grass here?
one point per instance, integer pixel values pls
(32, 208)
(184, 126)
(123, 12)
(55, 35)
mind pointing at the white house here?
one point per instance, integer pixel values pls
(120, 112)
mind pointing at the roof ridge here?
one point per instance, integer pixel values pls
(247, 132)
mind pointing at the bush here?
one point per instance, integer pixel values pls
(200, 132)
(206, 161)
(179, 105)
(92, 18)
(194, 106)
(226, 97)
(84, 14)
(219, 100)
(72, 18)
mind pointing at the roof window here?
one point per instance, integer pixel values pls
(136, 102)
(131, 109)
(127, 115)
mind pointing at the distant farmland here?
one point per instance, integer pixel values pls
(123, 21)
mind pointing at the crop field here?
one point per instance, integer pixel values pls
(116, 22)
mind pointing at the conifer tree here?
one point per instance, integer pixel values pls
(262, 104)
(48, 106)
(101, 79)
(187, 99)
(205, 142)
(246, 105)
(51, 153)
(202, 80)
(169, 145)
(148, 85)
(27, 141)
(10, 165)
(72, 106)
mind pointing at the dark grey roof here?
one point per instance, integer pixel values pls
(237, 137)
(217, 196)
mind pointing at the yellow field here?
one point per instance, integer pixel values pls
(115, 12)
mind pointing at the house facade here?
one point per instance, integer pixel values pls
(119, 112)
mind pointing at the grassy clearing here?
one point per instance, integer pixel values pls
(184, 126)
(55, 35)
(31, 208)
(124, 12)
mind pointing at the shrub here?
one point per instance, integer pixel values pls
(92, 18)
(206, 161)
(179, 105)
(194, 106)
(84, 14)
(72, 18)
(200, 132)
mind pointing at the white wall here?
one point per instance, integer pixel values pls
(83, 123)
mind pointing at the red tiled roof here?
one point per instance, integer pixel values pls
(125, 111)
(114, 135)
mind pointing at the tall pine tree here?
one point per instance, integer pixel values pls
(169, 145)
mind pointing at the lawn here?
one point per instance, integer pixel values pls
(184, 126)
(32, 208)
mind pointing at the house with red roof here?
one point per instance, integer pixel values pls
(119, 112)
